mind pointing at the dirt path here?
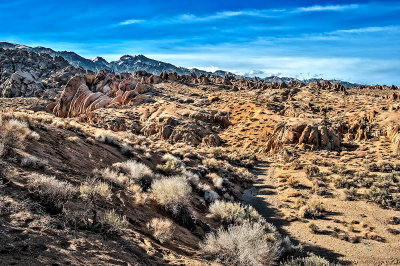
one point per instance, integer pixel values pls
(263, 196)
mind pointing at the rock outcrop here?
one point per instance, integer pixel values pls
(85, 93)
(304, 134)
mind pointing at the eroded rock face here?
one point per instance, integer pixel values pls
(194, 127)
(22, 84)
(304, 134)
(85, 93)
(26, 74)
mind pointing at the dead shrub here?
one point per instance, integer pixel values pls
(243, 244)
(162, 229)
(173, 193)
(51, 189)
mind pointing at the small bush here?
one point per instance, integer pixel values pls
(313, 228)
(93, 190)
(162, 229)
(314, 209)
(243, 244)
(310, 260)
(173, 193)
(233, 213)
(51, 189)
(211, 164)
(380, 196)
(312, 171)
(342, 182)
(115, 221)
(351, 194)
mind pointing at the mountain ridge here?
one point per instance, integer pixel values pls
(133, 63)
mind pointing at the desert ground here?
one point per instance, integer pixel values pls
(141, 169)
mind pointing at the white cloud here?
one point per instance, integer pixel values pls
(327, 8)
(131, 21)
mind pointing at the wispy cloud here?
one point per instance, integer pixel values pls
(318, 8)
(131, 21)
(257, 13)
(369, 29)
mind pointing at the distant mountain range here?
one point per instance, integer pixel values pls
(129, 63)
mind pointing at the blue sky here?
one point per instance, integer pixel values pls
(357, 41)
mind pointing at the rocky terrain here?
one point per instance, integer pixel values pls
(114, 168)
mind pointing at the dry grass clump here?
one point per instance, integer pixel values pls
(93, 189)
(243, 244)
(162, 229)
(244, 174)
(52, 189)
(115, 221)
(310, 260)
(173, 193)
(73, 139)
(314, 209)
(233, 213)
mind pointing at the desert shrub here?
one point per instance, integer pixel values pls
(312, 171)
(380, 196)
(113, 177)
(126, 150)
(137, 173)
(51, 189)
(314, 209)
(73, 139)
(244, 174)
(342, 182)
(162, 229)
(169, 168)
(115, 221)
(292, 181)
(212, 164)
(218, 181)
(245, 159)
(211, 196)
(244, 244)
(93, 189)
(310, 260)
(106, 136)
(29, 161)
(313, 228)
(173, 193)
(233, 213)
(12, 135)
(351, 193)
